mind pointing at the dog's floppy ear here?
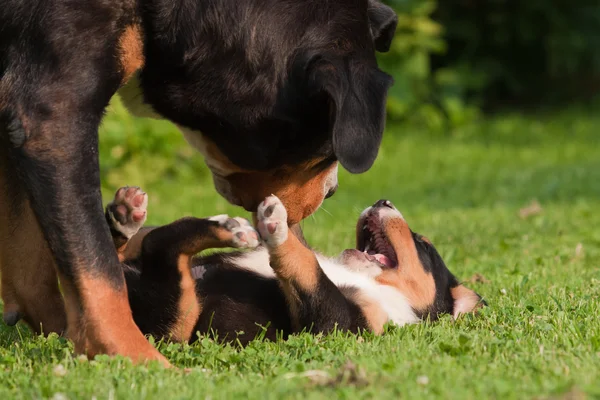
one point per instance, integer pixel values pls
(383, 21)
(357, 96)
(465, 300)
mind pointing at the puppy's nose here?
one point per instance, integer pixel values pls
(331, 191)
(383, 203)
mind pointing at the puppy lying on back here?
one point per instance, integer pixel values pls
(393, 275)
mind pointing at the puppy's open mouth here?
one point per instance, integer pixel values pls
(374, 243)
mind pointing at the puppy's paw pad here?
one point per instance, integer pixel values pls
(128, 210)
(243, 235)
(272, 221)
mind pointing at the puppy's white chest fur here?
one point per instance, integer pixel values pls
(394, 303)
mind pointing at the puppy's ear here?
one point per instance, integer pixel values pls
(383, 21)
(465, 300)
(357, 96)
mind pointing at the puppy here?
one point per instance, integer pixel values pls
(280, 286)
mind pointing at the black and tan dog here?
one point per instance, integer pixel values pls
(272, 92)
(393, 275)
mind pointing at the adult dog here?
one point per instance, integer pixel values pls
(272, 92)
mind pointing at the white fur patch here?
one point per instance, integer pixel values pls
(256, 261)
(390, 299)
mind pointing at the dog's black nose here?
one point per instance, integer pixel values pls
(383, 203)
(331, 191)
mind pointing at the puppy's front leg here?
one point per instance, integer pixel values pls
(315, 303)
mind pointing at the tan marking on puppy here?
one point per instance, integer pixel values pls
(291, 260)
(105, 324)
(295, 263)
(465, 300)
(131, 51)
(375, 315)
(188, 308)
(297, 268)
(410, 277)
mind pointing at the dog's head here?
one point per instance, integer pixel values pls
(394, 255)
(274, 93)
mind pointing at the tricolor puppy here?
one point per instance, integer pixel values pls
(393, 275)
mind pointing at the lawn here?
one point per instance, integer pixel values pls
(472, 192)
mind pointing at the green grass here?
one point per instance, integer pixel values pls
(540, 337)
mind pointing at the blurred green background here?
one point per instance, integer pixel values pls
(453, 59)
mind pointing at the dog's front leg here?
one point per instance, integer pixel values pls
(55, 162)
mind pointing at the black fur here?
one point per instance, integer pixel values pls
(58, 70)
(253, 93)
(383, 25)
(237, 305)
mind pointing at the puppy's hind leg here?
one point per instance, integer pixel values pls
(166, 283)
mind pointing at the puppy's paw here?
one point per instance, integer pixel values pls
(272, 222)
(127, 212)
(241, 234)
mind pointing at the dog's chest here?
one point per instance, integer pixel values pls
(132, 97)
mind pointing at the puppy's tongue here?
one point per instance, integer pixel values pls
(384, 260)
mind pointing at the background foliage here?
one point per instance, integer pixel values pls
(453, 59)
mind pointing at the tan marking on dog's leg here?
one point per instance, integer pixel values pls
(105, 325)
(28, 279)
(131, 51)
